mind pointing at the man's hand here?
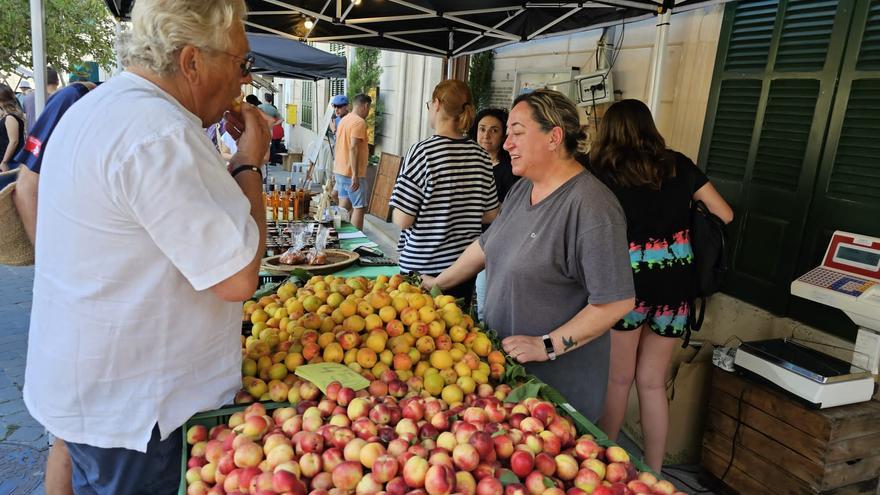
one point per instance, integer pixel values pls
(355, 183)
(254, 142)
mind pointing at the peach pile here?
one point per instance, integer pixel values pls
(372, 326)
(358, 443)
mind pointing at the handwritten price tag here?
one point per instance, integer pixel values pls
(322, 374)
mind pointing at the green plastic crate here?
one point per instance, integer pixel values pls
(211, 419)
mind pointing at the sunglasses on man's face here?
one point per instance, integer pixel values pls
(247, 62)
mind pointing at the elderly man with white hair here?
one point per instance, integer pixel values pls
(145, 245)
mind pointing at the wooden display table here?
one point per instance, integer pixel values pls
(783, 447)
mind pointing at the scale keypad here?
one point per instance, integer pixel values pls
(829, 279)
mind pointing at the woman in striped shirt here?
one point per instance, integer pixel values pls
(445, 190)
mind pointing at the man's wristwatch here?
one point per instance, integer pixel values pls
(548, 346)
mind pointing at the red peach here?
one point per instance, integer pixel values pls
(489, 486)
(397, 486)
(368, 485)
(310, 464)
(248, 455)
(638, 488)
(385, 468)
(370, 452)
(663, 487)
(347, 475)
(378, 388)
(414, 472)
(616, 471)
(331, 458)
(566, 467)
(587, 479)
(545, 463)
(196, 434)
(466, 457)
(522, 463)
(440, 480)
(616, 454)
(465, 483)
(537, 483)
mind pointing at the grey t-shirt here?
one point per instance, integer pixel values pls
(546, 262)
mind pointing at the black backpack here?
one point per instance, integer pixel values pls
(707, 235)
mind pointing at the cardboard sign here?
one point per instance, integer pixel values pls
(322, 374)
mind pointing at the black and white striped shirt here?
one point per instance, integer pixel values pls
(447, 184)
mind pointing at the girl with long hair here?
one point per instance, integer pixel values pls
(655, 187)
(11, 127)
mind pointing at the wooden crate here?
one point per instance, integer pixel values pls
(783, 447)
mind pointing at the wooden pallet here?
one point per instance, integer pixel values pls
(783, 447)
(389, 167)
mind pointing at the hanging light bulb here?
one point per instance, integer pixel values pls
(309, 24)
(356, 2)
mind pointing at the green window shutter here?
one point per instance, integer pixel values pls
(856, 174)
(751, 35)
(732, 132)
(806, 33)
(785, 132)
(869, 55)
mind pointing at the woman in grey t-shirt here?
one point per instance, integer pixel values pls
(556, 257)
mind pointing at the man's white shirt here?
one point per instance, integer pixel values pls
(138, 218)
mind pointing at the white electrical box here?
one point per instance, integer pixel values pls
(595, 88)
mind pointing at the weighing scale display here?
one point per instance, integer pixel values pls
(863, 258)
(853, 254)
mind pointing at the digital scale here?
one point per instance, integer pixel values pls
(848, 279)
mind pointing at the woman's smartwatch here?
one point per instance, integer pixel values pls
(548, 346)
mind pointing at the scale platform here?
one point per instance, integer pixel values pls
(817, 378)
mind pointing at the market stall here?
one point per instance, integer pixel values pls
(409, 394)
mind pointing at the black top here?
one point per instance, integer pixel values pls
(504, 178)
(658, 231)
(4, 138)
(657, 214)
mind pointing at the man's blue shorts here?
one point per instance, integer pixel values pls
(343, 187)
(97, 471)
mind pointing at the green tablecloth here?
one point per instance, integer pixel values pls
(356, 270)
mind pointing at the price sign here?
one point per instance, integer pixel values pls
(322, 374)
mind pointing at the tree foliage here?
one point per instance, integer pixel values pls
(480, 78)
(363, 75)
(75, 30)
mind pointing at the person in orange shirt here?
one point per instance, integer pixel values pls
(350, 165)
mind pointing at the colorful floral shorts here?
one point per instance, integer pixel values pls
(663, 319)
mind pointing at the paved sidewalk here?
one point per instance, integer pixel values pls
(23, 445)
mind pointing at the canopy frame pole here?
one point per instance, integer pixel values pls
(496, 26)
(38, 49)
(314, 24)
(658, 61)
(553, 22)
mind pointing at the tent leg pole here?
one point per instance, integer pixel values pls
(118, 35)
(658, 60)
(38, 48)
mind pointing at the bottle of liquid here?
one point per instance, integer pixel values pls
(291, 196)
(285, 205)
(270, 201)
(276, 204)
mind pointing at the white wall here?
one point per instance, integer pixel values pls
(690, 61)
(406, 83)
